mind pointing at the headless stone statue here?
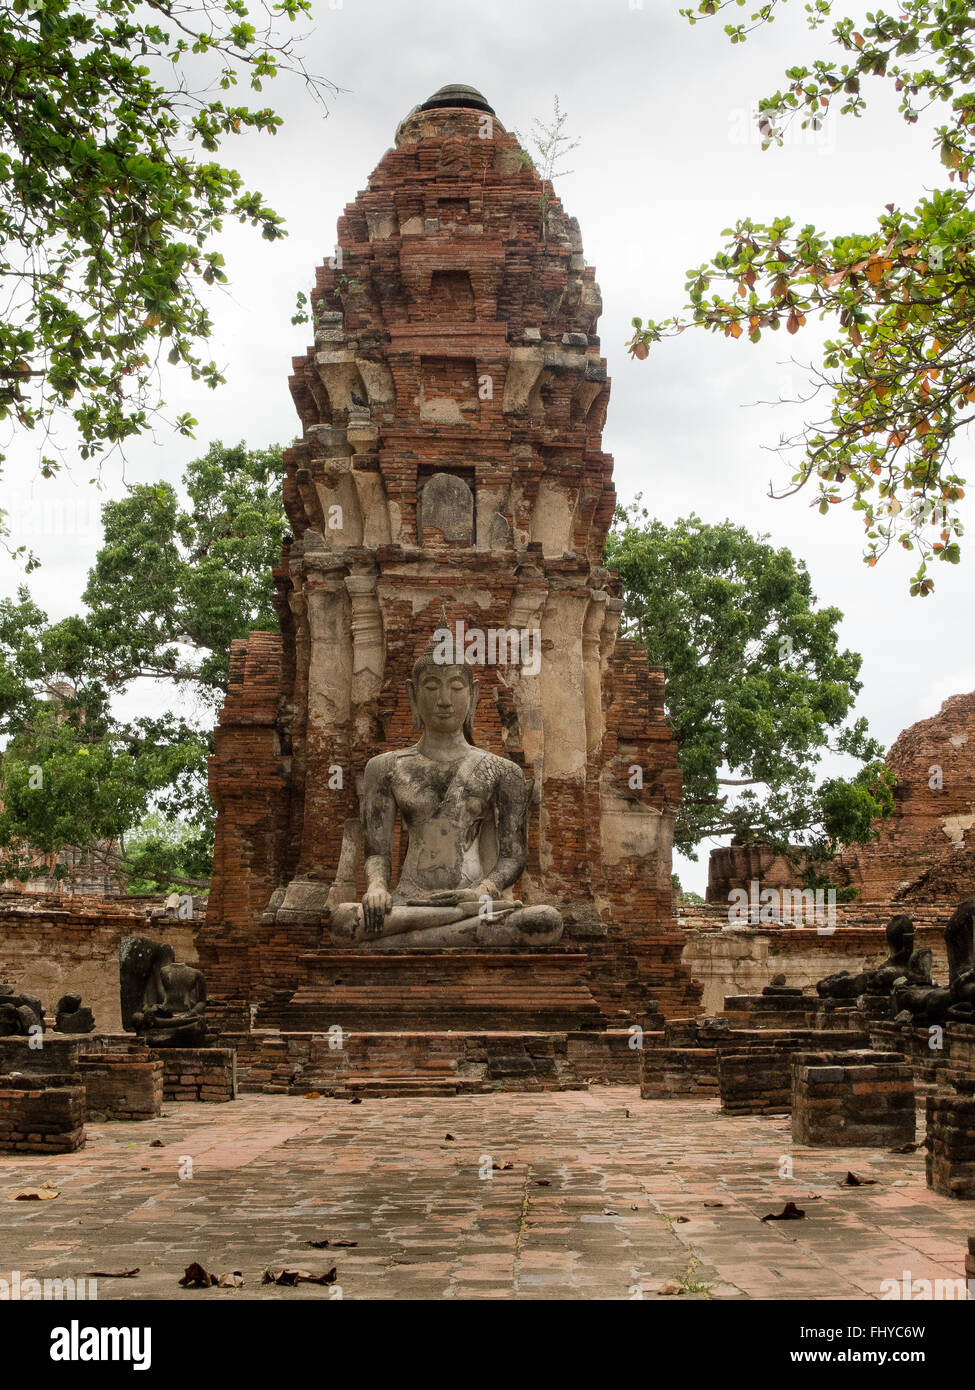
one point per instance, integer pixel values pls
(899, 965)
(956, 1003)
(162, 1001)
(464, 811)
(72, 1016)
(19, 1013)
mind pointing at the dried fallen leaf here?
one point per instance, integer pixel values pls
(681, 1220)
(312, 1095)
(356, 1100)
(289, 1277)
(448, 1136)
(232, 1280)
(790, 1212)
(906, 1149)
(851, 1180)
(714, 1204)
(335, 1244)
(111, 1273)
(196, 1277)
(542, 1182)
(46, 1193)
(156, 1144)
(668, 1287)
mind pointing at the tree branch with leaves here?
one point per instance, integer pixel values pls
(109, 206)
(898, 377)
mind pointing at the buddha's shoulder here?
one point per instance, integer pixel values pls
(502, 768)
(385, 763)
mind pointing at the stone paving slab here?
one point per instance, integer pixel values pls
(606, 1197)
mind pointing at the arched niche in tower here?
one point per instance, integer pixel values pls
(445, 510)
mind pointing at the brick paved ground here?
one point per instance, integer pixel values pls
(598, 1203)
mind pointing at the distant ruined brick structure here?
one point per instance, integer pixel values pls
(452, 409)
(925, 852)
(738, 866)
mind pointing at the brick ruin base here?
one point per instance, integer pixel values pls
(950, 1143)
(683, 1061)
(120, 1086)
(430, 1063)
(758, 1082)
(934, 1053)
(197, 1073)
(853, 1098)
(47, 1093)
(47, 1118)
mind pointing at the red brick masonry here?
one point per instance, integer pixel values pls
(847, 1098)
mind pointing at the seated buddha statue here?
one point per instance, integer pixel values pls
(956, 1001)
(464, 811)
(163, 1001)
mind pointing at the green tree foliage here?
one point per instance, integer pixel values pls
(899, 374)
(172, 586)
(110, 205)
(757, 686)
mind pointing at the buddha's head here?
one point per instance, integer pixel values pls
(442, 697)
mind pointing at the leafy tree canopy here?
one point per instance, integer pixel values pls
(758, 688)
(172, 586)
(899, 372)
(109, 205)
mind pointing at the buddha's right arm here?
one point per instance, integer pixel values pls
(378, 869)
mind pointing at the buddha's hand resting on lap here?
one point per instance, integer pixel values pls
(457, 897)
(375, 905)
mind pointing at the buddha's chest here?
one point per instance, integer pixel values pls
(429, 791)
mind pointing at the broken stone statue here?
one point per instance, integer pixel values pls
(19, 1013)
(162, 1001)
(72, 1016)
(465, 812)
(930, 1003)
(902, 963)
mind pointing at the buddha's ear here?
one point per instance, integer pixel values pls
(411, 696)
(471, 707)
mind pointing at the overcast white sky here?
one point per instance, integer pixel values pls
(668, 159)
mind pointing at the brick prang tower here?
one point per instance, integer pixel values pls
(452, 408)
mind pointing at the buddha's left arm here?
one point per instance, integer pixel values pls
(510, 806)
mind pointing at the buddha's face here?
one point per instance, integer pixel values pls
(442, 697)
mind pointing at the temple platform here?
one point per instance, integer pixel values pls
(408, 1063)
(422, 991)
